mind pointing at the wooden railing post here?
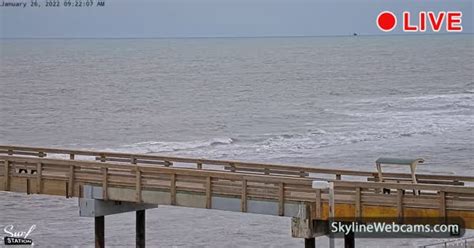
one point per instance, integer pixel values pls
(400, 205)
(104, 179)
(6, 174)
(442, 205)
(281, 199)
(209, 192)
(173, 189)
(138, 185)
(332, 211)
(243, 201)
(105, 194)
(319, 205)
(39, 173)
(71, 182)
(331, 200)
(358, 205)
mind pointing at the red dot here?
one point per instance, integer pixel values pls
(386, 21)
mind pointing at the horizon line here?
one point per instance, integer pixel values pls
(232, 37)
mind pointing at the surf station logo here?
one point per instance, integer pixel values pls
(16, 237)
(421, 22)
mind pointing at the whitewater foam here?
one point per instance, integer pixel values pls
(174, 146)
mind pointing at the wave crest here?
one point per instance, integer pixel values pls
(174, 146)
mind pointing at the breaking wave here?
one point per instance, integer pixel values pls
(301, 144)
(373, 120)
(174, 146)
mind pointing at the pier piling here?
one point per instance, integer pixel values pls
(140, 229)
(349, 240)
(99, 226)
(310, 243)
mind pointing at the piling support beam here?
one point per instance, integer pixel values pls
(349, 240)
(310, 243)
(140, 229)
(99, 226)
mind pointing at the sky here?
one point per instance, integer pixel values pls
(214, 18)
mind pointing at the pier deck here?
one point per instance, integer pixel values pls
(282, 190)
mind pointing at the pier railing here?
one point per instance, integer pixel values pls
(137, 178)
(233, 166)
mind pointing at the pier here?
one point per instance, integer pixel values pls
(109, 183)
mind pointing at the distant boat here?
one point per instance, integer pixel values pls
(355, 34)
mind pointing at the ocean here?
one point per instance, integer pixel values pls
(336, 102)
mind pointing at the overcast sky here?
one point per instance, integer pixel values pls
(214, 18)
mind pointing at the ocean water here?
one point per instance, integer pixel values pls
(337, 102)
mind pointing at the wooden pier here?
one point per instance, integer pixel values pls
(142, 181)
